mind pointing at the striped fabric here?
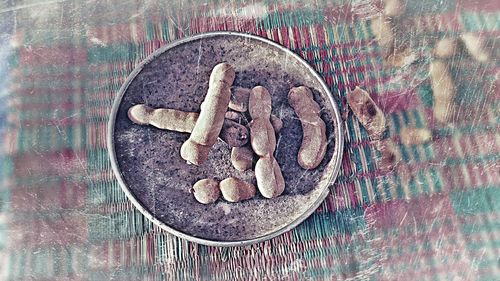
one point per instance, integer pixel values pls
(63, 215)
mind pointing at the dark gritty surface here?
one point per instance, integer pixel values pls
(160, 179)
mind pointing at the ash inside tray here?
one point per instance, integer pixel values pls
(160, 179)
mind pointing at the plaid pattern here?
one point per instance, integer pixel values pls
(64, 217)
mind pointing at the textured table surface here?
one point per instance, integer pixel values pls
(63, 215)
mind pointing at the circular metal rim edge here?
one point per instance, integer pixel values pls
(339, 142)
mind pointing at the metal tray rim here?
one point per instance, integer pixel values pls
(339, 142)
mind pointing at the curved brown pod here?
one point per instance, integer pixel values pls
(209, 124)
(412, 136)
(269, 177)
(475, 45)
(445, 48)
(235, 190)
(394, 8)
(443, 90)
(262, 136)
(206, 191)
(242, 158)
(382, 29)
(232, 133)
(163, 118)
(367, 112)
(270, 180)
(260, 103)
(313, 147)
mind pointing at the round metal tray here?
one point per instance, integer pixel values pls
(146, 160)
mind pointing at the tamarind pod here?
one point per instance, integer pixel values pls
(314, 142)
(367, 112)
(260, 103)
(206, 191)
(232, 133)
(242, 158)
(270, 181)
(443, 90)
(236, 190)
(262, 136)
(209, 124)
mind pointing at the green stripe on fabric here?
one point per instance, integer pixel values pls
(395, 122)
(430, 6)
(114, 53)
(428, 151)
(364, 190)
(57, 261)
(404, 153)
(387, 190)
(105, 192)
(165, 27)
(415, 148)
(406, 117)
(20, 135)
(69, 264)
(47, 138)
(308, 17)
(13, 58)
(150, 34)
(331, 36)
(359, 33)
(356, 159)
(16, 262)
(476, 201)
(3, 237)
(484, 244)
(481, 226)
(272, 20)
(98, 159)
(479, 159)
(484, 262)
(290, 19)
(399, 188)
(487, 276)
(340, 223)
(475, 21)
(375, 182)
(436, 180)
(419, 122)
(413, 188)
(423, 183)
(118, 225)
(370, 162)
(414, 151)
(426, 96)
(6, 167)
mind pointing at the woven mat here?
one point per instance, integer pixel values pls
(64, 217)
